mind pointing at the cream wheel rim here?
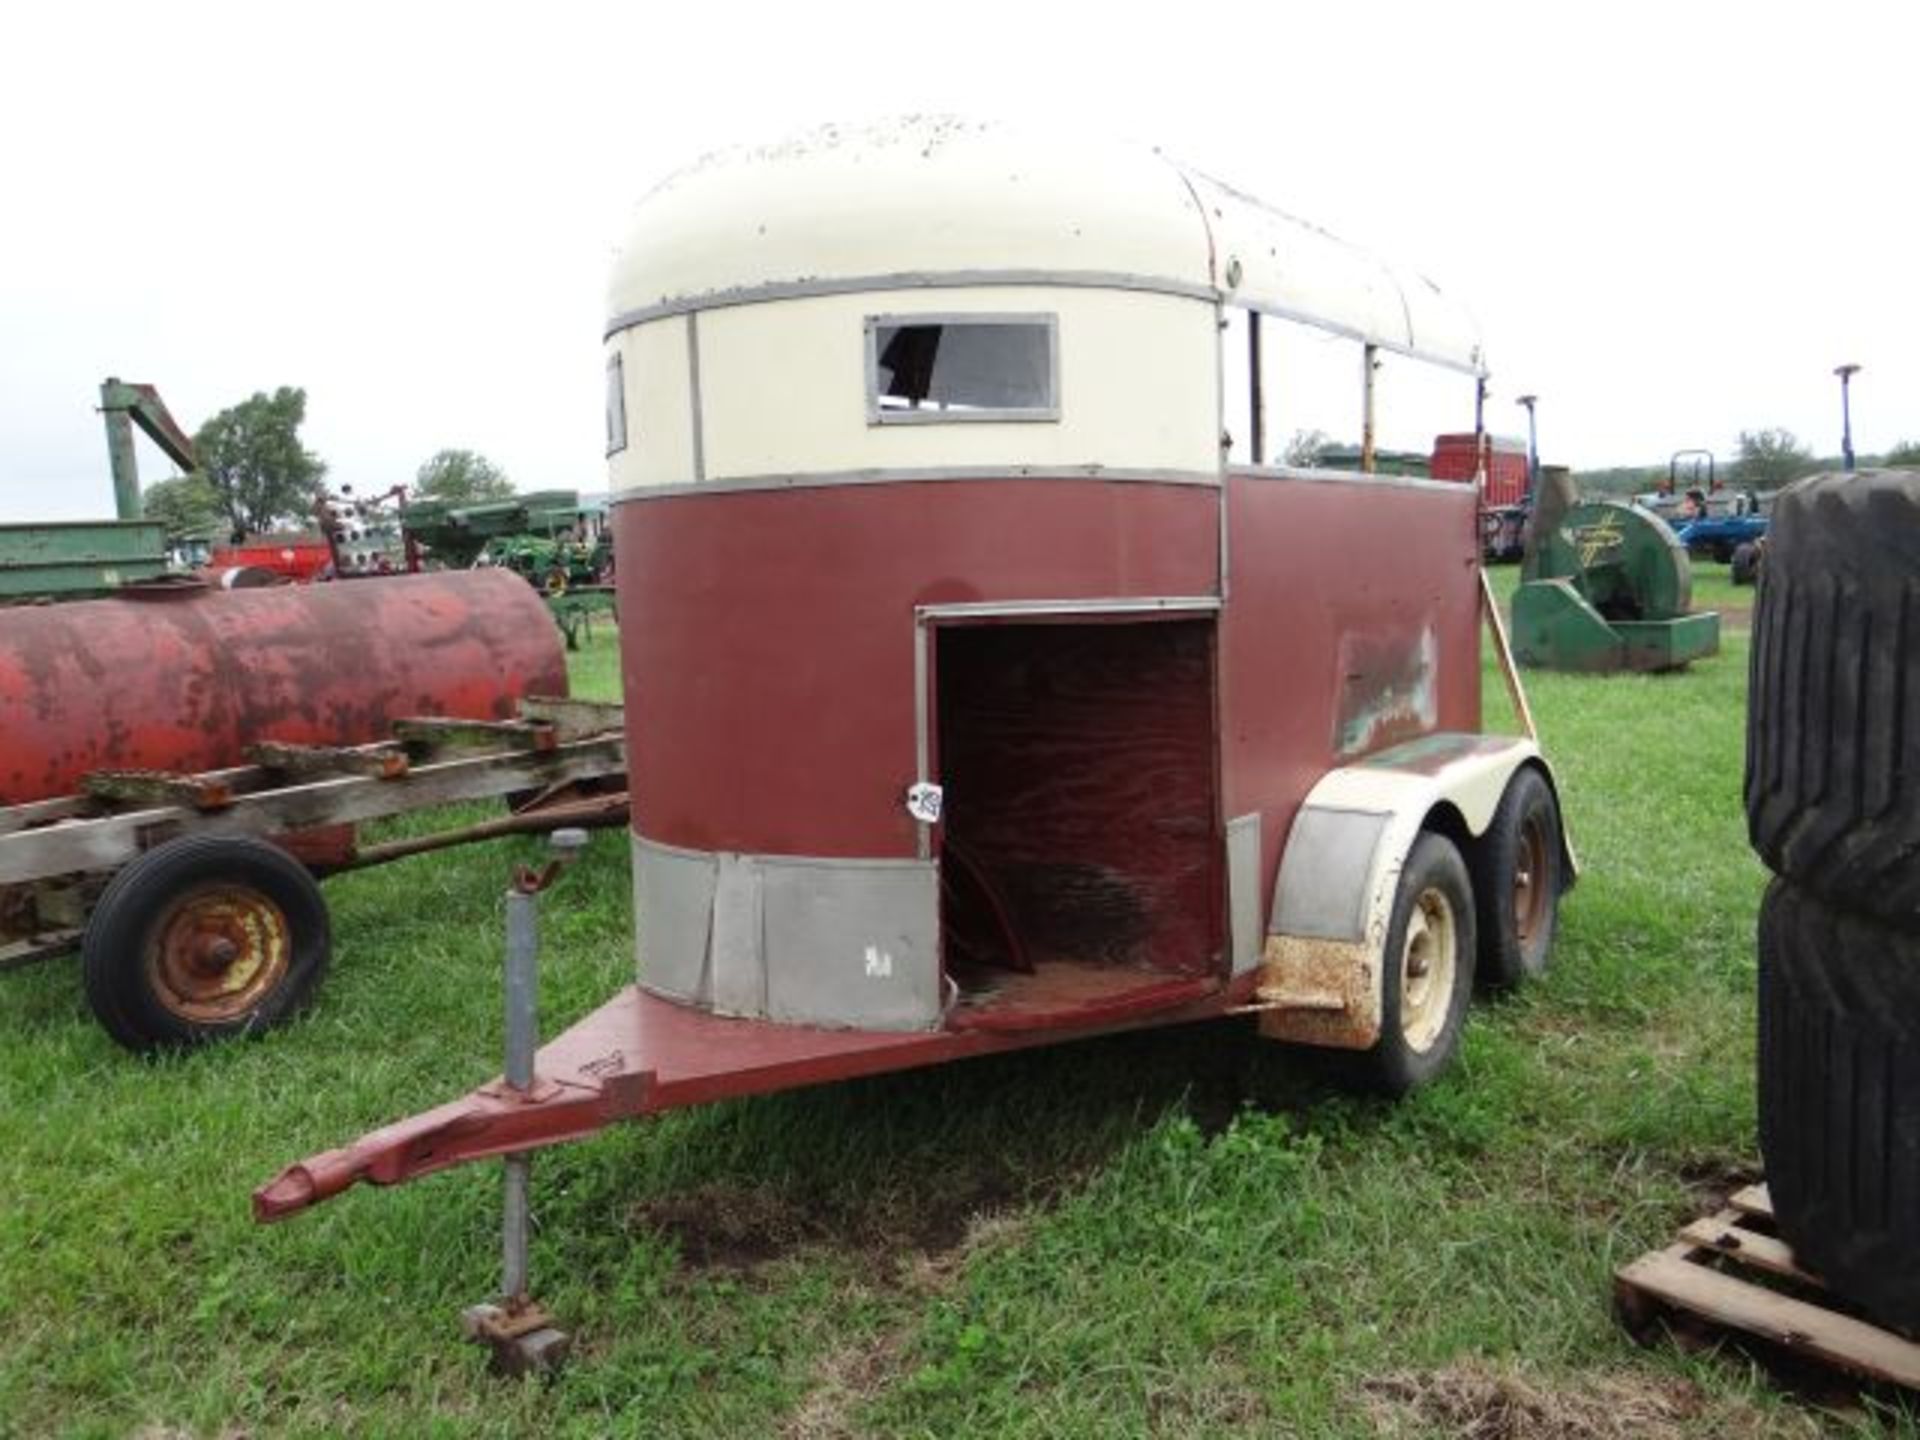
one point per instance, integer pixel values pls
(1428, 962)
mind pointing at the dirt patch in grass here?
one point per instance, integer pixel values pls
(1479, 1402)
(850, 1376)
(741, 1228)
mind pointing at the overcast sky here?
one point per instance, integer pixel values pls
(1672, 220)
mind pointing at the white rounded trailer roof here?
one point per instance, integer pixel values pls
(935, 201)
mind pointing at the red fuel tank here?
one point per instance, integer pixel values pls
(184, 678)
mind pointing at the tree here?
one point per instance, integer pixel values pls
(1906, 455)
(461, 477)
(252, 456)
(1306, 449)
(1769, 459)
(185, 505)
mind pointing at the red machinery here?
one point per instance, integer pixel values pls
(299, 558)
(1501, 459)
(156, 740)
(974, 700)
(182, 678)
(1499, 464)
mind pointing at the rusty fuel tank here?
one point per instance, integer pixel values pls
(184, 677)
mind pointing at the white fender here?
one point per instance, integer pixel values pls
(1333, 901)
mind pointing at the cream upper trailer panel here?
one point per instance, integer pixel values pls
(744, 303)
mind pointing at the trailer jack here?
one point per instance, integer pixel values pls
(520, 1332)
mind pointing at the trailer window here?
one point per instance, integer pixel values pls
(616, 406)
(962, 367)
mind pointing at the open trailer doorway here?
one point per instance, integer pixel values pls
(1080, 874)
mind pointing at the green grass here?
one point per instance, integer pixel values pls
(1182, 1232)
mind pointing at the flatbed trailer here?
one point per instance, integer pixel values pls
(193, 896)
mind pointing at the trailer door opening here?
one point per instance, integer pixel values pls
(1080, 854)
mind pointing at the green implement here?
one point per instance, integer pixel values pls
(1608, 587)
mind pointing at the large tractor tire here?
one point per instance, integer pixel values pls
(1840, 1097)
(1833, 721)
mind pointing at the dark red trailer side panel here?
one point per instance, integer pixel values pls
(1352, 624)
(767, 637)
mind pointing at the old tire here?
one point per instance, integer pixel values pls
(1746, 563)
(1833, 728)
(1428, 970)
(1518, 874)
(1840, 1097)
(203, 938)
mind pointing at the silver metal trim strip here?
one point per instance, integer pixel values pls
(1114, 605)
(825, 862)
(1349, 332)
(922, 721)
(1346, 477)
(904, 280)
(916, 475)
(693, 393)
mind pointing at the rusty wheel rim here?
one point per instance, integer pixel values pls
(1429, 958)
(1529, 881)
(218, 952)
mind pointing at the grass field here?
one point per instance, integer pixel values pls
(1180, 1233)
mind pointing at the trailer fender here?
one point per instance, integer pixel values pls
(1321, 971)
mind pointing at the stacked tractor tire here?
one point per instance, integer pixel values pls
(1833, 808)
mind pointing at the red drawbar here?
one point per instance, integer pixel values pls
(639, 1054)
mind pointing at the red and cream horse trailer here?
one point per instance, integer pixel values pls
(981, 690)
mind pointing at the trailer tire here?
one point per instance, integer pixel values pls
(1833, 750)
(1518, 874)
(203, 938)
(1427, 970)
(1839, 1096)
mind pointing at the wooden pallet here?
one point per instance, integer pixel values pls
(1731, 1272)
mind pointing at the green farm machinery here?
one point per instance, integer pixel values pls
(78, 559)
(1607, 587)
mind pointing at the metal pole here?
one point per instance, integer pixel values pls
(523, 1024)
(1533, 447)
(1258, 399)
(1846, 374)
(1368, 364)
(122, 460)
(523, 1039)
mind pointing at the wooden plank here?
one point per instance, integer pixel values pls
(385, 761)
(1752, 1200)
(109, 841)
(41, 812)
(1794, 1324)
(573, 719)
(149, 788)
(433, 732)
(1723, 1235)
(44, 946)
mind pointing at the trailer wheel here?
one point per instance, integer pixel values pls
(1428, 966)
(203, 938)
(1517, 879)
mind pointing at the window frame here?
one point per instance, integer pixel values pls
(616, 392)
(1049, 413)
